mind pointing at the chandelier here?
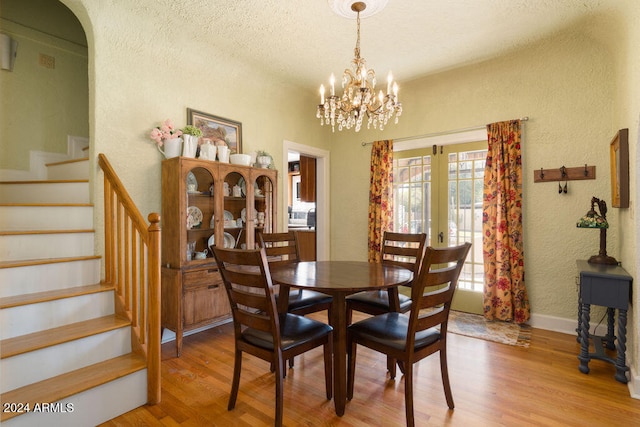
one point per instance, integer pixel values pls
(359, 98)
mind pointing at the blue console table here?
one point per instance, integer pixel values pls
(608, 286)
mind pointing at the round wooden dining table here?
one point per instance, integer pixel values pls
(340, 279)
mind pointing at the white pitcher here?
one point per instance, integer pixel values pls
(208, 151)
(190, 146)
(172, 147)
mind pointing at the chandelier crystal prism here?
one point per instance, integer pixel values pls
(359, 98)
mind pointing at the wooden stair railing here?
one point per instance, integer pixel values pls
(132, 265)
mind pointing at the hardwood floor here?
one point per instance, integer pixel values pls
(493, 385)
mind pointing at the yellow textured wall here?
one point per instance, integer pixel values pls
(144, 70)
(566, 85)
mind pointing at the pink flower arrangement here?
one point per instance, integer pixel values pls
(165, 131)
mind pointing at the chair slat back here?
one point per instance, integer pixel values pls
(404, 249)
(281, 248)
(247, 279)
(431, 308)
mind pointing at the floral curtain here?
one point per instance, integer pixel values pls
(505, 295)
(380, 196)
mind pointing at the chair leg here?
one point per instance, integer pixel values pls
(235, 384)
(328, 367)
(351, 367)
(391, 367)
(279, 390)
(291, 362)
(444, 370)
(408, 394)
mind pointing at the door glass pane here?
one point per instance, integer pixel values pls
(412, 192)
(465, 213)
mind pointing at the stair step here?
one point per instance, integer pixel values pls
(49, 191)
(50, 337)
(74, 382)
(18, 245)
(66, 162)
(29, 262)
(25, 216)
(67, 274)
(38, 297)
(69, 169)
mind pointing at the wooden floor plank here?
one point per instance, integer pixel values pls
(493, 385)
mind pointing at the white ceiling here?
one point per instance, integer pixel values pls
(304, 41)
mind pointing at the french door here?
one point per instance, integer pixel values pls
(438, 191)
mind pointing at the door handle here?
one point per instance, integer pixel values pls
(441, 237)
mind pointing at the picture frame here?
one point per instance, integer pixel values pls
(217, 129)
(619, 157)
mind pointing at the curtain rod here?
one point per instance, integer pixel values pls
(448, 132)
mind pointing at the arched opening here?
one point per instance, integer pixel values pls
(45, 102)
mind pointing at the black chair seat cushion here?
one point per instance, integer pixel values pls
(380, 299)
(300, 299)
(294, 330)
(390, 329)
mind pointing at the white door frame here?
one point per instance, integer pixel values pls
(323, 227)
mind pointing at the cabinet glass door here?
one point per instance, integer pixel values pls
(264, 204)
(199, 215)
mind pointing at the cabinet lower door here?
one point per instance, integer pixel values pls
(204, 303)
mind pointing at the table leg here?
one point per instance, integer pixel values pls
(609, 339)
(339, 324)
(621, 366)
(584, 339)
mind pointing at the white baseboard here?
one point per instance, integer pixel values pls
(169, 335)
(634, 384)
(38, 160)
(552, 323)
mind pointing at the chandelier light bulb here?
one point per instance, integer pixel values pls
(359, 98)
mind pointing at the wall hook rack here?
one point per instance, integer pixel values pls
(564, 174)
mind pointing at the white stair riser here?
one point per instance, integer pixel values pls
(63, 192)
(74, 170)
(30, 318)
(92, 407)
(56, 360)
(41, 246)
(23, 218)
(48, 277)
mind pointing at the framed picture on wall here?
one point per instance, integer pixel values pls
(217, 129)
(619, 153)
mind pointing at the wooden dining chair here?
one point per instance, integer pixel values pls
(403, 249)
(259, 329)
(283, 248)
(411, 337)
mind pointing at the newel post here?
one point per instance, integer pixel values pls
(153, 348)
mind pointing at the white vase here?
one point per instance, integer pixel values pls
(207, 151)
(190, 146)
(223, 153)
(172, 147)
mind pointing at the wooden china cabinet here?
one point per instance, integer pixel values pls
(206, 203)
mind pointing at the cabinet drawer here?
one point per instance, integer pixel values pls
(202, 277)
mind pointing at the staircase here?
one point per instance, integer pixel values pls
(63, 348)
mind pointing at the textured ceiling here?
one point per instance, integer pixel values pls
(304, 41)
